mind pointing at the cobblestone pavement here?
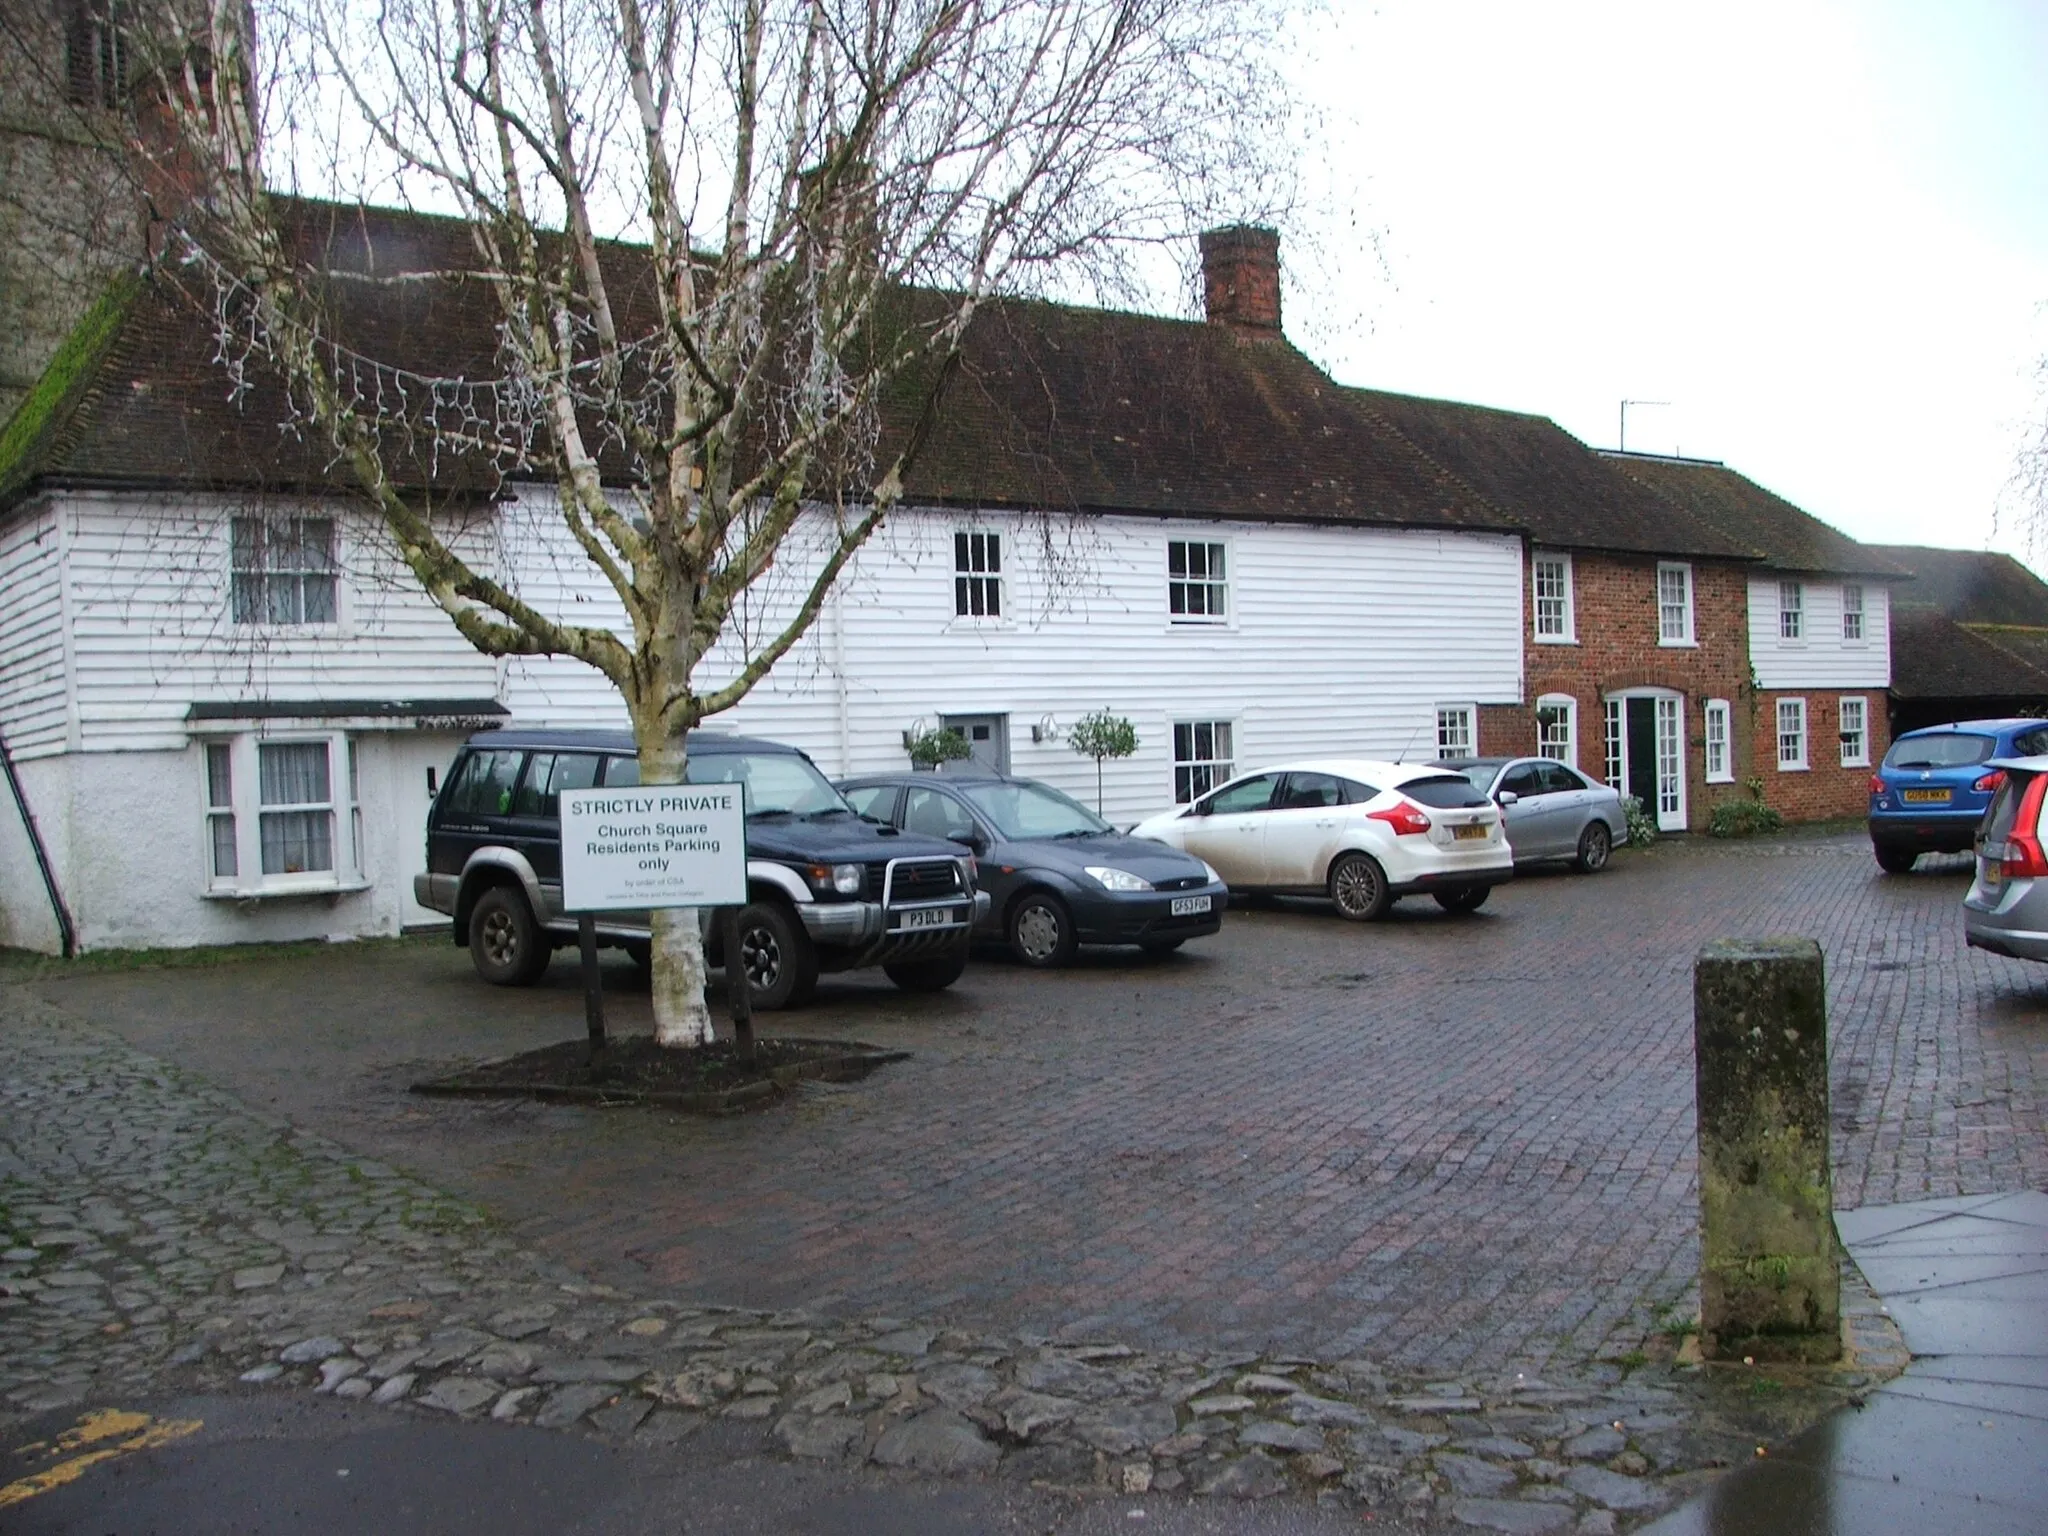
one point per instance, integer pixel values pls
(155, 1231)
(1448, 1144)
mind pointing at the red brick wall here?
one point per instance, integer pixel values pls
(1615, 622)
(1825, 790)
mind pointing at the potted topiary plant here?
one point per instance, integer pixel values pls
(1102, 735)
(928, 749)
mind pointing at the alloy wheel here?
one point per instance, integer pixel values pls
(1358, 888)
(762, 956)
(1594, 844)
(500, 938)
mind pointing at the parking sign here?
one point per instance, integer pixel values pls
(657, 845)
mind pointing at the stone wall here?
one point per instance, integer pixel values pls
(69, 217)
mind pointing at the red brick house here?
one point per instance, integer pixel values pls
(1819, 639)
(1635, 627)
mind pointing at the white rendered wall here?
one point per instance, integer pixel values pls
(1821, 658)
(126, 833)
(26, 920)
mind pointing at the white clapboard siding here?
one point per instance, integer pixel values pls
(1821, 658)
(152, 634)
(1341, 641)
(33, 700)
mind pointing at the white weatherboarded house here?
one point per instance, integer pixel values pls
(227, 706)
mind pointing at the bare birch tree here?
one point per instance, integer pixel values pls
(818, 194)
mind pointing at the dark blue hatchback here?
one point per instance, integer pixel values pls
(1932, 788)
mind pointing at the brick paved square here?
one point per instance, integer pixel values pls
(1446, 1143)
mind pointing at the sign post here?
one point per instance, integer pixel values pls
(646, 847)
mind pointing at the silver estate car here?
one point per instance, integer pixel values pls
(2006, 910)
(1550, 811)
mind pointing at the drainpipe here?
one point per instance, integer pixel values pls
(839, 681)
(67, 935)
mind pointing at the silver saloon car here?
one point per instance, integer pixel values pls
(1551, 811)
(2006, 910)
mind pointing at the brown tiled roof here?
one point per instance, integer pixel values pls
(1062, 407)
(1780, 534)
(1933, 657)
(1051, 406)
(2025, 643)
(1971, 586)
(1564, 493)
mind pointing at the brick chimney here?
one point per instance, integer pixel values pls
(1241, 280)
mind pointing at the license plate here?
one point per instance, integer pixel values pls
(928, 917)
(1924, 796)
(1188, 906)
(1475, 830)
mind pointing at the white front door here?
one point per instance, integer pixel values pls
(1670, 765)
(1646, 752)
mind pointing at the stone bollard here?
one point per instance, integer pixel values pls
(1770, 1276)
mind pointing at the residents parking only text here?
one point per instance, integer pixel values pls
(653, 848)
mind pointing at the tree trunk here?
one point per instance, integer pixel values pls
(676, 968)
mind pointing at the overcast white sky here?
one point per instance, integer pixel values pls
(1817, 229)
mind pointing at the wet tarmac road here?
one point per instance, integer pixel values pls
(261, 1463)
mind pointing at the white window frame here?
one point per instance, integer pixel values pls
(1566, 632)
(217, 773)
(1793, 760)
(1216, 554)
(1856, 751)
(1680, 633)
(263, 572)
(978, 577)
(1855, 623)
(244, 812)
(1792, 611)
(1718, 733)
(1452, 722)
(1568, 749)
(1193, 774)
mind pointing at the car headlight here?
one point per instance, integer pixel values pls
(1117, 879)
(1215, 877)
(843, 878)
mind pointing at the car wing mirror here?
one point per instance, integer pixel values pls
(1508, 797)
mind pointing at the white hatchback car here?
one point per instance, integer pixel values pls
(1362, 833)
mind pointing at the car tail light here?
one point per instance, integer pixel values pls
(1990, 781)
(2024, 857)
(1877, 784)
(1405, 819)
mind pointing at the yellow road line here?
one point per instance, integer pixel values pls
(142, 1434)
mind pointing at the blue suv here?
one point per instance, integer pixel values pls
(1932, 788)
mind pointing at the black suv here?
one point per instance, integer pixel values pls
(828, 890)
